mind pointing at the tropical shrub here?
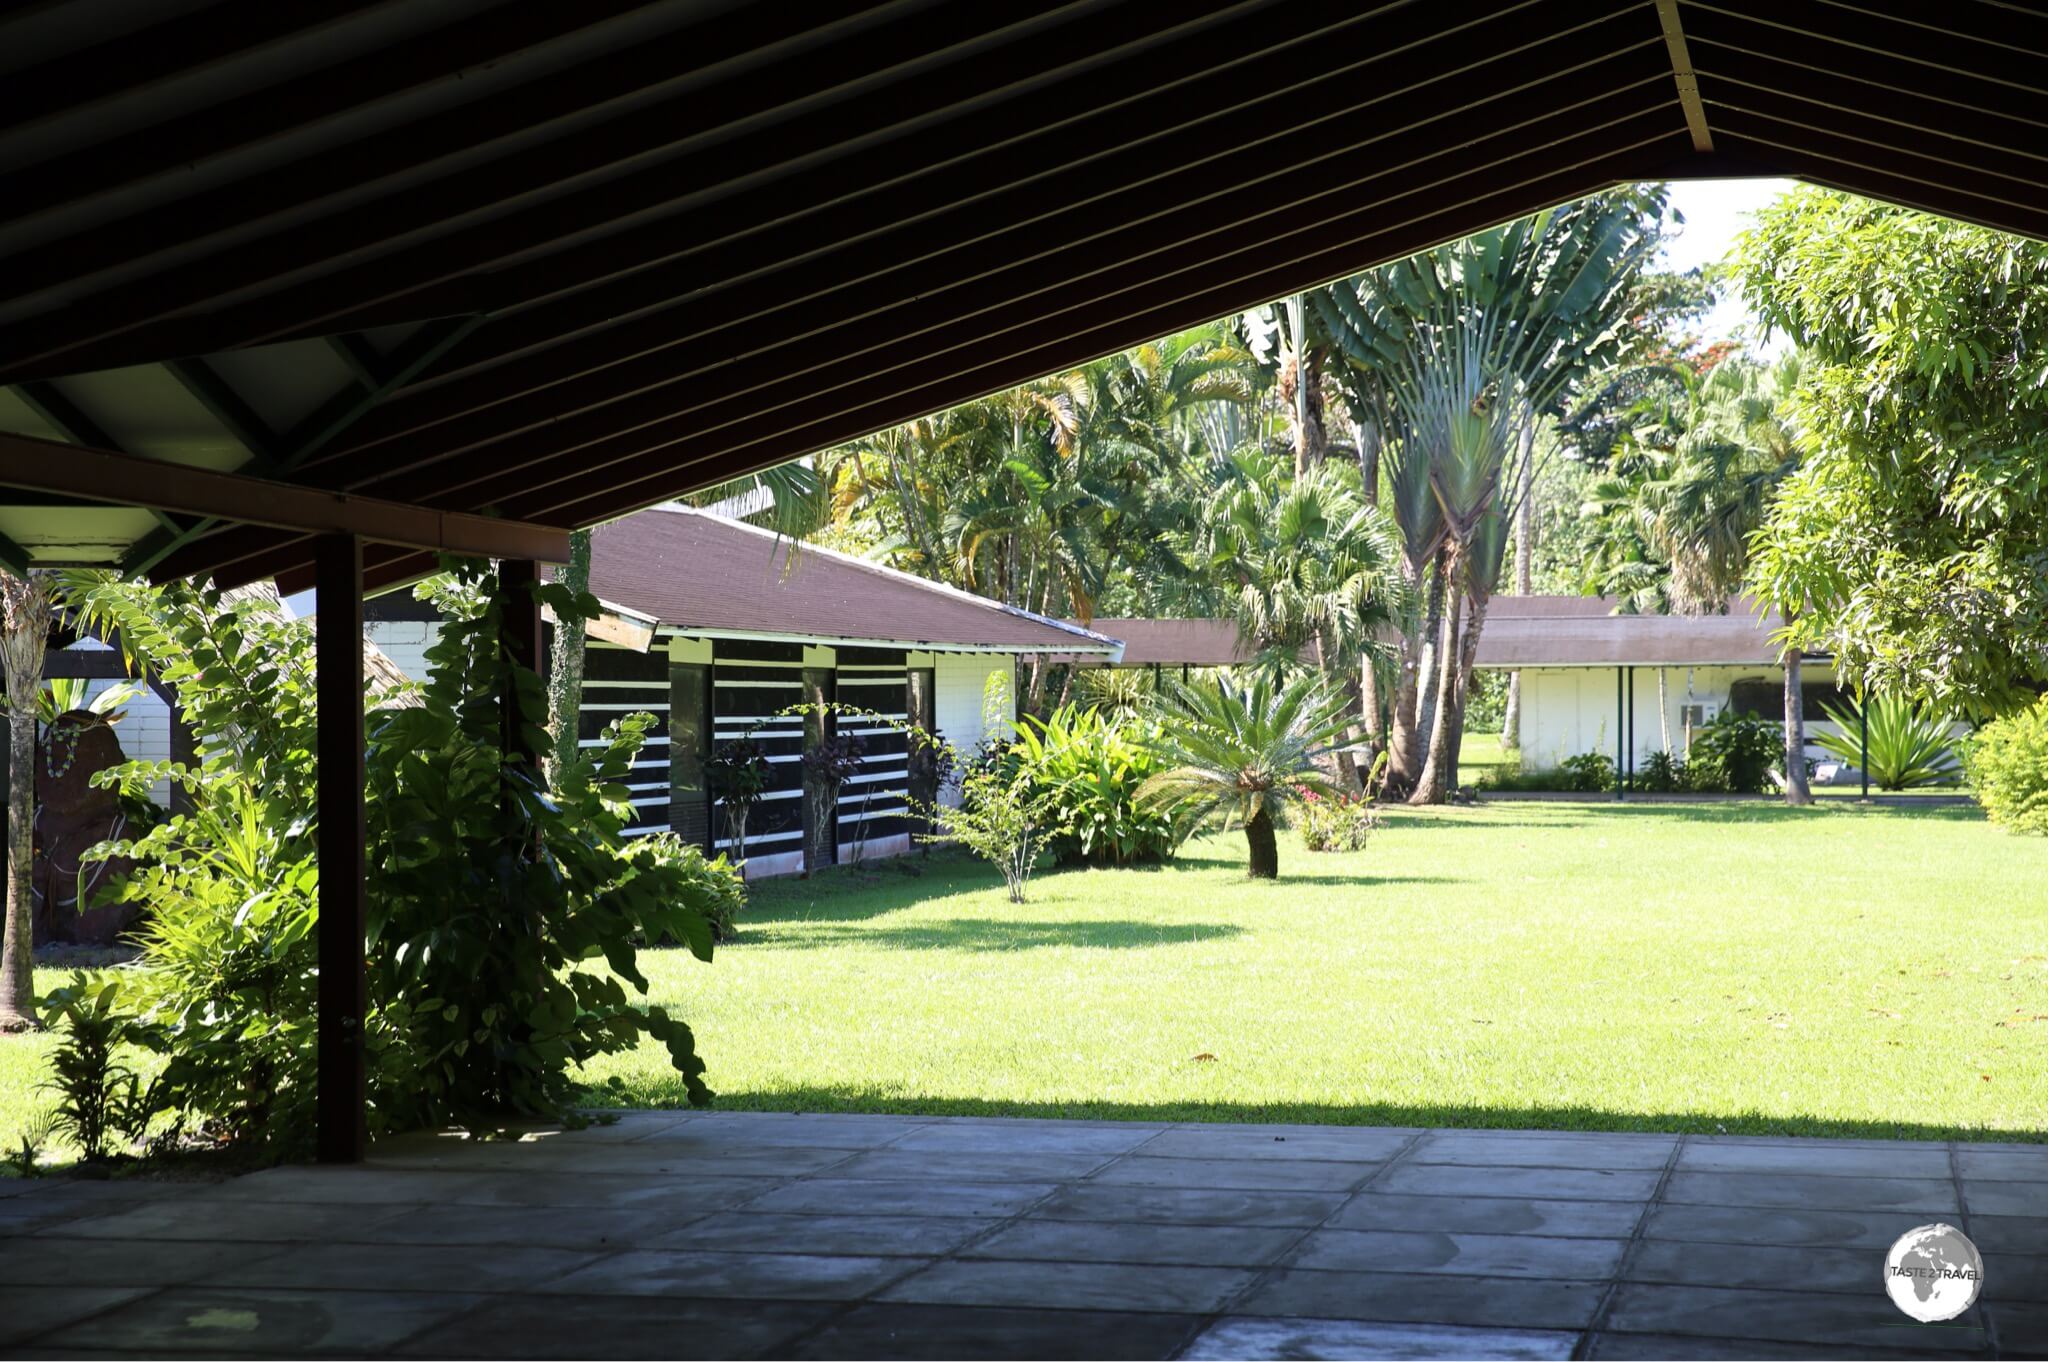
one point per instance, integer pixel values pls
(99, 1098)
(1733, 754)
(1248, 752)
(1587, 772)
(715, 885)
(2007, 765)
(488, 888)
(1660, 773)
(1910, 745)
(1088, 766)
(1337, 822)
(737, 772)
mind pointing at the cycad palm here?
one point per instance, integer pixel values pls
(1247, 751)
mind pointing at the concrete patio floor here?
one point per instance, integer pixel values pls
(672, 1234)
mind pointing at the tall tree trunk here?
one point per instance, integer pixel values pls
(1338, 681)
(1663, 712)
(1433, 633)
(24, 635)
(1404, 760)
(1263, 862)
(1796, 790)
(565, 662)
(1525, 564)
(1311, 436)
(1368, 676)
(1440, 767)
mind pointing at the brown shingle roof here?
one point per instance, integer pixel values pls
(699, 573)
(1583, 631)
(1521, 631)
(1174, 643)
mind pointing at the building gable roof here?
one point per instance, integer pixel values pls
(701, 574)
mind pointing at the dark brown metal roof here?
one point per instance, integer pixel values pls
(564, 261)
(702, 574)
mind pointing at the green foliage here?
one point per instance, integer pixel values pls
(712, 883)
(1003, 816)
(1661, 773)
(1245, 751)
(1336, 822)
(1088, 766)
(1588, 772)
(487, 888)
(1686, 481)
(99, 1098)
(26, 1157)
(737, 772)
(1734, 754)
(1304, 562)
(1910, 744)
(1915, 537)
(2007, 764)
(1486, 702)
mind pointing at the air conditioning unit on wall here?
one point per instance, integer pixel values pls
(1695, 716)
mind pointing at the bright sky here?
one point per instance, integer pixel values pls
(1715, 211)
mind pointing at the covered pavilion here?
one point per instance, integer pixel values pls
(317, 291)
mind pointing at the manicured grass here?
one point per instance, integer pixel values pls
(1748, 968)
(1479, 754)
(1744, 968)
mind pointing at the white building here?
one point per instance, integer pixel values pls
(1625, 686)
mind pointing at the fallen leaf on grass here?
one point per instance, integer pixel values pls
(1205, 1058)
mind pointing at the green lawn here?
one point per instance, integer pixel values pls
(1747, 968)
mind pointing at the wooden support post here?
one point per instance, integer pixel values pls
(520, 613)
(341, 1104)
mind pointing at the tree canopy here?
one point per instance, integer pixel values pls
(1916, 532)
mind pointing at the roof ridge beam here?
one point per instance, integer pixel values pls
(1682, 72)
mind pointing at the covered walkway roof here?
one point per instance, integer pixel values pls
(554, 263)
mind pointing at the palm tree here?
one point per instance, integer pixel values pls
(1248, 751)
(1310, 570)
(1457, 348)
(1675, 519)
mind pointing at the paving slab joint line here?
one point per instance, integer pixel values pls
(1203, 1323)
(1597, 1325)
(26, 1345)
(1955, 1173)
(996, 1226)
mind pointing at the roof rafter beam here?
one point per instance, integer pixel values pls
(227, 406)
(1024, 232)
(1682, 72)
(46, 401)
(124, 480)
(433, 340)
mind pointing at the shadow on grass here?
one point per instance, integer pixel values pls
(978, 934)
(1445, 1115)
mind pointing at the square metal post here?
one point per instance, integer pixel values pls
(1620, 718)
(342, 1092)
(1631, 725)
